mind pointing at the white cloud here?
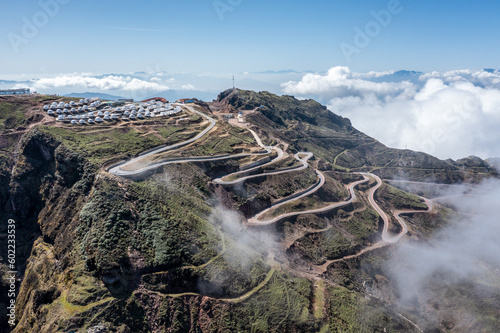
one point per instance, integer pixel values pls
(110, 82)
(372, 74)
(188, 87)
(482, 78)
(341, 82)
(450, 115)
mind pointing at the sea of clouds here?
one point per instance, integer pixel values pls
(123, 85)
(447, 114)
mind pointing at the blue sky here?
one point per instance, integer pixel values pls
(190, 36)
(193, 47)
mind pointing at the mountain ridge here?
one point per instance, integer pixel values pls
(349, 145)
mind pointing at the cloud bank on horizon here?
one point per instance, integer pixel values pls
(447, 114)
(120, 83)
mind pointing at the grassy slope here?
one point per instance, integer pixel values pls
(12, 115)
(224, 139)
(106, 144)
(399, 199)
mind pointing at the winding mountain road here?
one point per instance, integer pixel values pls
(118, 170)
(256, 220)
(386, 238)
(303, 158)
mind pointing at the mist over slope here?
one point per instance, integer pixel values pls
(458, 264)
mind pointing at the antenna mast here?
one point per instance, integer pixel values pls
(233, 81)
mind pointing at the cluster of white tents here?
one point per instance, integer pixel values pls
(61, 108)
(92, 114)
(150, 109)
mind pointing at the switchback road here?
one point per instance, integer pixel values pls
(302, 157)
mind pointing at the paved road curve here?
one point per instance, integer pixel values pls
(118, 168)
(386, 238)
(302, 160)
